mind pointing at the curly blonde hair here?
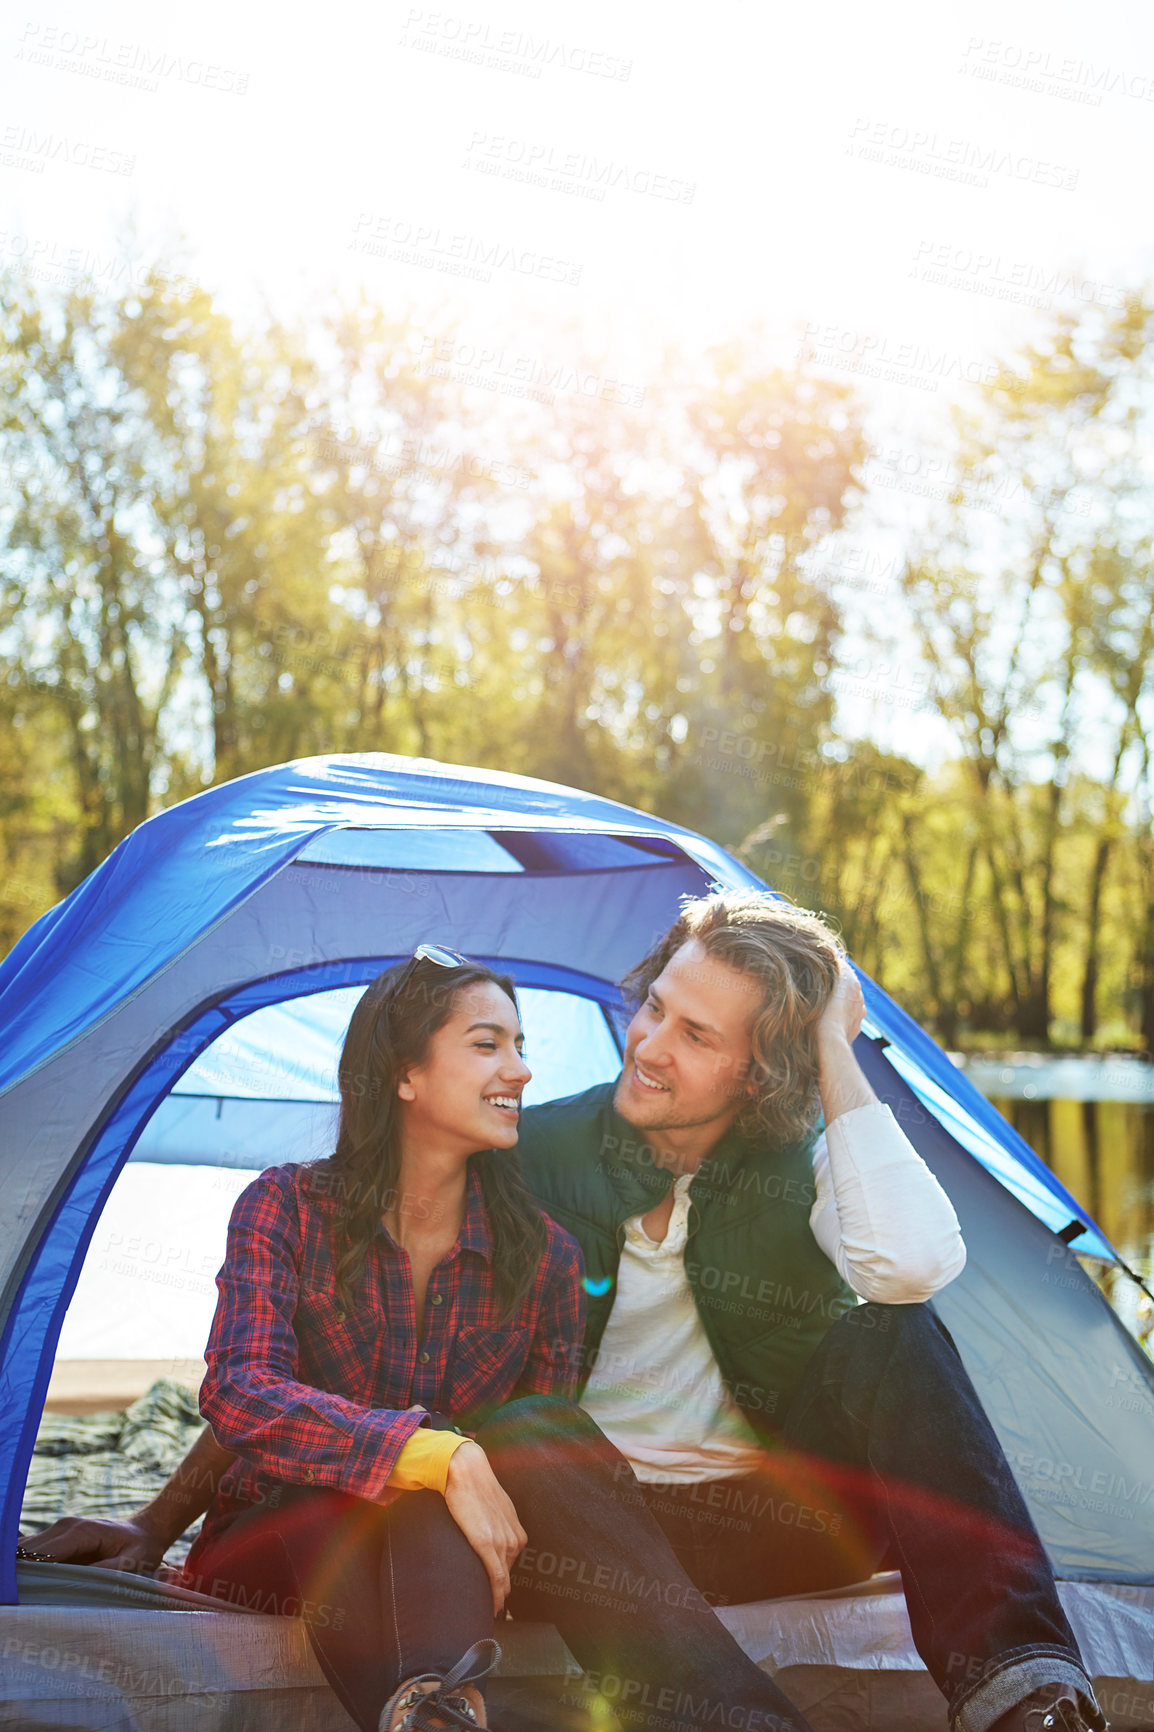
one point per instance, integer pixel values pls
(795, 959)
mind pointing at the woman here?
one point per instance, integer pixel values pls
(370, 1304)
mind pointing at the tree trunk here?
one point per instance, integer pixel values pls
(1049, 915)
(1144, 951)
(929, 960)
(1093, 926)
(957, 958)
(1003, 922)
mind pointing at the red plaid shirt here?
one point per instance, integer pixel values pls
(308, 1394)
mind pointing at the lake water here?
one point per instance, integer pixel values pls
(1092, 1122)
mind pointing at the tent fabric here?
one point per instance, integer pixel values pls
(179, 873)
(290, 1051)
(308, 878)
(88, 1649)
(1070, 1393)
(268, 1081)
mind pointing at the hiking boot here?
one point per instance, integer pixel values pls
(432, 1703)
(1051, 1709)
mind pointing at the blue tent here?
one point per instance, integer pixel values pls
(275, 896)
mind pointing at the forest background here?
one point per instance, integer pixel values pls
(226, 545)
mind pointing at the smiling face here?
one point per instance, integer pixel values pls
(465, 1095)
(687, 1050)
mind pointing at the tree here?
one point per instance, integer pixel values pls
(1033, 617)
(770, 469)
(92, 625)
(240, 516)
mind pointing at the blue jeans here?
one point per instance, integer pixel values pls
(885, 1455)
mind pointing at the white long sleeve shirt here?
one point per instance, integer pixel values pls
(881, 1218)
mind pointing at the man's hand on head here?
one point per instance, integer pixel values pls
(840, 1080)
(844, 1014)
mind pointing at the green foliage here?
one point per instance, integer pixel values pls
(1038, 624)
(224, 548)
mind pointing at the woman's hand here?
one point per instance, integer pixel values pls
(484, 1512)
(122, 1545)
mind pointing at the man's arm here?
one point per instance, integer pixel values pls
(140, 1541)
(880, 1216)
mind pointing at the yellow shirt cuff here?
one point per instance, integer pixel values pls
(423, 1463)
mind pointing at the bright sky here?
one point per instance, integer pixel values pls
(902, 184)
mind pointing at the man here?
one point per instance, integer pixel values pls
(758, 1432)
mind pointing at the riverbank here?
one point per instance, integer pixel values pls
(1059, 1076)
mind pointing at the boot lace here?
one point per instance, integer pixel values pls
(433, 1710)
(1064, 1715)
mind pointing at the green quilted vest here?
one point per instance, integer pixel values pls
(765, 1291)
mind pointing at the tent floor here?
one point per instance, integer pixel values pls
(89, 1649)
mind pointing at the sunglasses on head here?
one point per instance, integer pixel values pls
(435, 953)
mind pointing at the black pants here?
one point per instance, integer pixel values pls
(885, 1451)
(385, 1591)
(885, 1448)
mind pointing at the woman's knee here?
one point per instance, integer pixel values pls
(423, 1511)
(537, 1419)
(543, 1433)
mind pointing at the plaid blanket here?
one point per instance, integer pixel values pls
(108, 1464)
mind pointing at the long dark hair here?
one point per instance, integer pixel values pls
(389, 1034)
